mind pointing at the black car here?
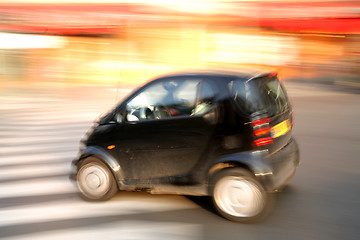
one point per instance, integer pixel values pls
(219, 134)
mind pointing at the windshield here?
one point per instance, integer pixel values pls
(259, 95)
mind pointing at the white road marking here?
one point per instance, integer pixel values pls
(31, 139)
(51, 119)
(35, 158)
(129, 230)
(19, 171)
(35, 187)
(55, 148)
(56, 211)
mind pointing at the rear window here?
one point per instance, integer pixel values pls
(259, 95)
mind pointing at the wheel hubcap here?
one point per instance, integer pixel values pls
(239, 197)
(93, 180)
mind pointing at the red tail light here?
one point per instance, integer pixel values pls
(292, 119)
(261, 131)
(261, 128)
(261, 121)
(272, 74)
(263, 141)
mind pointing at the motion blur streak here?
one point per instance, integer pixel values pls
(130, 41)
(63, 62)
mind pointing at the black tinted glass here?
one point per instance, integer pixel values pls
(259, 95)
(243, 95)
(273, 95)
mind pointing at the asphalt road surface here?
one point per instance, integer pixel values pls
(40, 129)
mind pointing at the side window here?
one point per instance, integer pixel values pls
(243, 96)
(164, 99)
(205, 100)
(259, 94)
(274, 96)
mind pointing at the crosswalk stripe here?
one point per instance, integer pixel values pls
(36, 140)
(72, 209)
(41, 130)
(125, 229)
(24, 150)
(36, 187)
(35, 158)
(19, 171)
(56, 119)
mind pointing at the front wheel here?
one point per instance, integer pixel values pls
(238, 196)
(95, 181)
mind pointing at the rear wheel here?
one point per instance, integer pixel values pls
(238, 196)
(95, 181)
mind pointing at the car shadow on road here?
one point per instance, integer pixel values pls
(204, 202)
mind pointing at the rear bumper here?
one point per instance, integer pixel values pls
(280, 167)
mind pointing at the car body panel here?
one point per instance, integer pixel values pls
(161, 148)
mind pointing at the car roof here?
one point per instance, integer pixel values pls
(221, 72)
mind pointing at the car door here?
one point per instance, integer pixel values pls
(163, 134)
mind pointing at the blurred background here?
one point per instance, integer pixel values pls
(64, 62)
(102, 42)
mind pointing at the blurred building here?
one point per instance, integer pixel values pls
(132, 41)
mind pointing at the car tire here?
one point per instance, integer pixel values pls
(95, 181)
(238, 196)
